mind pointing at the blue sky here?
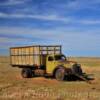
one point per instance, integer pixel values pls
(74, 24)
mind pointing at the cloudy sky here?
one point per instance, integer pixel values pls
(74, 24)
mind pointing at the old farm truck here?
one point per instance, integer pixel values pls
(43, 61)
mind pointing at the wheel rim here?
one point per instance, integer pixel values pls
(60, 75)
(24, 74)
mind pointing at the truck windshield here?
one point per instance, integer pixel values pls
(60, 57)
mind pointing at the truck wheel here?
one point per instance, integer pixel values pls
(60, 74)
(26, 73)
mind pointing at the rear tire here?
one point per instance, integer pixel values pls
(60, 74)
(26, 73)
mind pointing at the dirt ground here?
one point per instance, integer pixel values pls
(14, 87)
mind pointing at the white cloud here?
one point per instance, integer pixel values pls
(89, 22)
(78, 5)
(52, 18)
(13, 2)
(86, 40)
(41, 17)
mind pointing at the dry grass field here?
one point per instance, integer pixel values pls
(14, 87)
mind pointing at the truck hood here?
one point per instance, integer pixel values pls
(66, 64)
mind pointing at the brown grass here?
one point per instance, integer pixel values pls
(14, 87)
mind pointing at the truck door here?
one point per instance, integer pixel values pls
(50, 64)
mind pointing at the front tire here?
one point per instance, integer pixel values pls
(26, 73)
(60, 74)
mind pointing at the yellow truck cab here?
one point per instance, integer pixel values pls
(43, 60)
(54, 61)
